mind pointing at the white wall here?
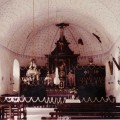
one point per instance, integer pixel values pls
(25, 61)
(112, 86)
(97, 60)
(117, 74)
(6, 71)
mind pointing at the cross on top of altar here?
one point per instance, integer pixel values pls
(62, 45)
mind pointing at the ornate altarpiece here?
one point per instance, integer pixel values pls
(62, 56)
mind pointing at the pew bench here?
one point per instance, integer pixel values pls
(16, 109)
(87, 110)
(49, 118)
(3, 108)
(86, 114)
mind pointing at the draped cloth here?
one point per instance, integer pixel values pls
(56, 79)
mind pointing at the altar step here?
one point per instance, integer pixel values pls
(36, 113)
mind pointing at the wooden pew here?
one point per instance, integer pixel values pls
(11, 109)
(3, 108)
(18, 109)
(49, 118)
(87, 110)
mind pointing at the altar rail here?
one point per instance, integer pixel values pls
(51, 101)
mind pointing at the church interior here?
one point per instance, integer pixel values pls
(61, 60)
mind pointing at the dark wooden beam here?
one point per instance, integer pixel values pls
(114, 60)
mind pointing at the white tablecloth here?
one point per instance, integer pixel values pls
(72, 101)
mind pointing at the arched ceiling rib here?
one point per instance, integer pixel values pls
(85, 17)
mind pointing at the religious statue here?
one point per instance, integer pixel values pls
(32, 71)
(33, 64)
(48, 81)
(61, 46)
(71, 79)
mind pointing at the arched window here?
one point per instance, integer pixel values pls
(16, 76)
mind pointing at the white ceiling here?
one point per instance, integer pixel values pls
(85, 17)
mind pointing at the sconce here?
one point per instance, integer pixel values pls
(119, 82)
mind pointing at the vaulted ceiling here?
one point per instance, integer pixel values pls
(28, 26)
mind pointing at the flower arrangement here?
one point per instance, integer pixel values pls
(73, 91)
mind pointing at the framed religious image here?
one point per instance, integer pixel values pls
(62, 63)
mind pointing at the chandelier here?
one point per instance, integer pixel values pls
(32, 74)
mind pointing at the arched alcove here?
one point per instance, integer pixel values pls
(16, 76)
